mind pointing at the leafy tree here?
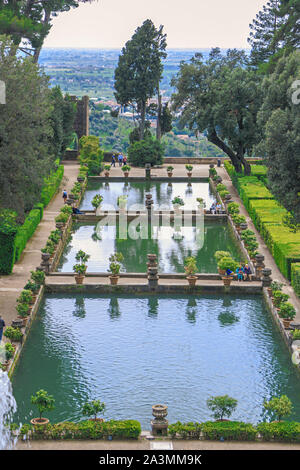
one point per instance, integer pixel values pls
(263, 30)
(221, 97)
(25, 131)
(43, 401)
(140, 68)
(280, 117)
(28, 22)
(93, 408)
(145, 151)
(280, 407)
(222, 406)
(91, 154)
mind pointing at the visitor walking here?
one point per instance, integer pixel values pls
(124, 160)
(113, 160)
(2, 325)
(65, 196)
(120, 158)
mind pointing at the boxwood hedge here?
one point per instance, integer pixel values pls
(295, 271)
(280, 431)
(8, 231)
(51, 185)
(26, 231)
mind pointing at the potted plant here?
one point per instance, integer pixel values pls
(201, 203)
(96, 202)
(44, 402)
(190, 268)
(275, 285)
(213, 172)
(93, 408)
(25, 297)
(115, 261)
(221, 187)
(62, 218)
(287, 312)
(38, 277)
(23, 312)
(14, 334)
(33, 287)
(107, 170)
(218, 256)
(177, 203)
(223, 194)
(233, 208)
(238, 220)
(126, 169)
(279, 298)
(122, 202)
(80, 268)
(228, 265)
(170, 171)
(189, 169)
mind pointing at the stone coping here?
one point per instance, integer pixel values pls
(153, 179)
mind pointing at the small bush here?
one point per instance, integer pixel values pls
(229, 431)
(146, 151)
(281, 432)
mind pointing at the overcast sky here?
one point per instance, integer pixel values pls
(188, 23)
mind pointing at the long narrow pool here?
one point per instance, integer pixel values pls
(170, 246)
(133, 352)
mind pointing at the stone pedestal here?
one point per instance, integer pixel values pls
(148, 171)
(259, 266)
(159, 424)
(266, 277)
(45, 264)
(152, 272)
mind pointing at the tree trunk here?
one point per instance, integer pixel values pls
(158, 126)
(213, 137)
(38, 49)
(143, 118)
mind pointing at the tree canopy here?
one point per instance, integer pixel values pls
(221, 97)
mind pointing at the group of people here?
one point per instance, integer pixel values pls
(243, 272)
(216, 208)
(75, 209)
(122, 159)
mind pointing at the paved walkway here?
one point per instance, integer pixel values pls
(144, 444)
(12, 285)
(263, 249)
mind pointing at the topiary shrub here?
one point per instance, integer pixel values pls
(295, 271)
(146, 151)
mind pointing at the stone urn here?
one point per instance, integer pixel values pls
(192, 280)
(45, 257)
(80, 179)
(106, 173)
(159, 424)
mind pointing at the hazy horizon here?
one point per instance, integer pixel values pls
(109, 24)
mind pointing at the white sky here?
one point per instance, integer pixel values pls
(188, 23)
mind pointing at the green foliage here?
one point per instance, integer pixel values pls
(38, 277)
(91, 154)
(62, 217)
(227, 263)
(32, 286)
(8, 231)
(23, 310)
(185, 431)
(43, 401)
(296, 335)
(84, 430)
(190, 266)
(222, 406)
(51, 185)
(280, 432)
(25, 297)
(9, 351)
(279, 297)
(233, 208)
(115, 261)
(14, 334)
(221, 254)
(178, 201)
(26, 231)
(280, 407)
(295, 272)
(97, 200)
(287, 311)
(229, 431)
(93, 408)
(146, 151)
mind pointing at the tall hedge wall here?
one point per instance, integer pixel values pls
(51, 185)
(264, 211)
(296, 277)
(8, 231)
(26, 231)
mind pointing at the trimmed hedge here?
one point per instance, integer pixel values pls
(280, 431)
(229, 431)
(26, 231)
(51, 185)
(40, 207)
(89, 429)
(252, 190)
(295, 271)
(185, 431)
(8, 233)
(265, 211)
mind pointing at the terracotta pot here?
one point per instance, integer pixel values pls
(286, 322)
(221, 272)
(114, 280)
(126, 173)
(39, 421)
(192, 280)
(79, 278)
(170, 175)
(106, 174)
(189, 174)
(227, 280)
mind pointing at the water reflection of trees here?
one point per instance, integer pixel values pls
(228, 318)
(79, 310)
(191, 310)
(153, 304)
(114, 308)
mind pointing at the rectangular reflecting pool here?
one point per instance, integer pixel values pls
(133, 353)
(162, 193)
(171, 247)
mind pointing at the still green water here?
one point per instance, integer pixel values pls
(170, 246)
(162, 194)
(134, 352)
